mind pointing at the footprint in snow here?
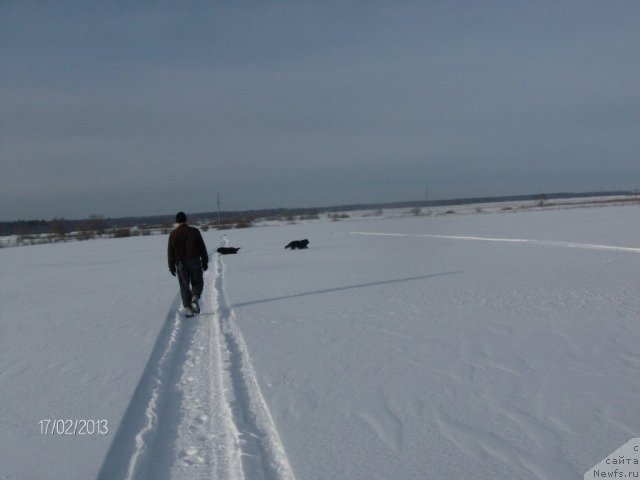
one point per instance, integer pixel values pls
(191, 456)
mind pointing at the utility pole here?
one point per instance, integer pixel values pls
(218, 210)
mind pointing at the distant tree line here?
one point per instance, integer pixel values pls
(97, 225)
(63, 226)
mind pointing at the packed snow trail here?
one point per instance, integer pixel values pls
(549, 243)
(198, 412)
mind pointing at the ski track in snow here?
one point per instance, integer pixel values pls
(549, 243)
(197, 412)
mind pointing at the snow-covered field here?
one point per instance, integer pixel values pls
(484, 346)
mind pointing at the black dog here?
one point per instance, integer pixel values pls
(227, 250)
(298, 244)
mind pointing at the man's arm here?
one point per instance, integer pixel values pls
(204, 256)
(170, 253)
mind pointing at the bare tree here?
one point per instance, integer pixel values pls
(59, 227)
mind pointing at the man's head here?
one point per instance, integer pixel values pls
(181, 217)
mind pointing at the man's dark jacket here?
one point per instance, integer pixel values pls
(185, 243)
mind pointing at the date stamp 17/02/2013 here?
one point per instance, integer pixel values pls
(86, 427)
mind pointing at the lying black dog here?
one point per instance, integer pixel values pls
(227, 250)
(298, 244)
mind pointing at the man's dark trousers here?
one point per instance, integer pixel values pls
(190, 279)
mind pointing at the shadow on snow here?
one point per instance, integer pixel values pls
(340, 289)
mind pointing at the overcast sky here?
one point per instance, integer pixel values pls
(136, 108)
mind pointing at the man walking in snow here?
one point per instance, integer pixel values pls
(188, 257)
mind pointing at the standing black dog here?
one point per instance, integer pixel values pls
(227, 250)
(298, 244)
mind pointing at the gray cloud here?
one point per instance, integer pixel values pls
(123, 110)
